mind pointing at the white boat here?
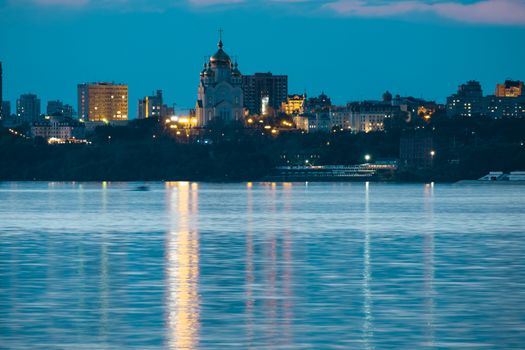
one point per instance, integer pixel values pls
(499, 176)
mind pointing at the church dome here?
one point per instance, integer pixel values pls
(208, 72)
(220, 57)
(236, 71)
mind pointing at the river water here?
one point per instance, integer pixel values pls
(261, 266)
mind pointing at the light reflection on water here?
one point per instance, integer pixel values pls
(182, 267)
(261, 265)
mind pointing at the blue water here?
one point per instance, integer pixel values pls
(261, 266)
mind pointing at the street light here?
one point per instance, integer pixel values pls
(367, 157)
(432, 153)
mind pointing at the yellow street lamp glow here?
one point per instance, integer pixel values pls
(267, 127)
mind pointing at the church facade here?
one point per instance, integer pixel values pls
(220, 96)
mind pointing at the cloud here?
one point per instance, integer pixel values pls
(505, 12)
(136, 4)
(491, 11)
(214, 2)
(68, 3)
(485, 12)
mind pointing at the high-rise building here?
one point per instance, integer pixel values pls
(510, 88)
(68, 111)
(28, 108)
(387, 97)
(467, 102)
(58, 108)
(220, 95)
(102, 102)
(504, 107)
(263, 90)
(6, 109)
(151, 106)
(508, 102)
(54, 107)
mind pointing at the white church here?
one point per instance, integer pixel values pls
(220, 90)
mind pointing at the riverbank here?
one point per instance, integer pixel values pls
(464, 149)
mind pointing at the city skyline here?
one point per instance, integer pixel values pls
(262, 174)
(426, 58)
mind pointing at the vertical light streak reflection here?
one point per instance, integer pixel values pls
(104, 276)
(367, 276)
(428, 251)
(270, 300)
(250, 277)
(182, 267)
(288, 267)
(104, 288)
(104, 196)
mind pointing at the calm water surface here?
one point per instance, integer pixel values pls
(261, 266)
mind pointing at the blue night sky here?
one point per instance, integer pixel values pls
(351, 49)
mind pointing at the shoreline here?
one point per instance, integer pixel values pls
(461, 182)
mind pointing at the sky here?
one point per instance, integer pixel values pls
(350, 49)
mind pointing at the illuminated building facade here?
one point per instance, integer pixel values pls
(510, 88)
(220, 95)
(319, 121)
(371, 116)
(102, 102)
(416, 107)
(57, 128)
(264, 92)
(294, 105)
(153, 106)
(467, 102)
(509, 101)
(301, 122)
(341, 118)
(28, 108)
(504, 107)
